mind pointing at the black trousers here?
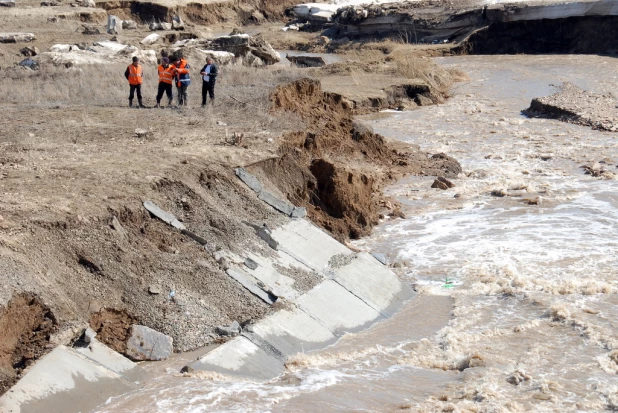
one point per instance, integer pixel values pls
(132, 90)
(208, 88)
(164, 88)
(183, 96)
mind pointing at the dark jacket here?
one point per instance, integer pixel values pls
(213, 71)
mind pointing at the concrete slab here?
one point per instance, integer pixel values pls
(372, 282)
(250, 180)
(308, 244)
(163, 215)
(337, 309)
(64, 381)
(281, 285)
(246, 281)
(105, 356)
(240, 357)
(293, 331)
(280, 205)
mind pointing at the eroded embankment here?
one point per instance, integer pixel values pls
(121, 266)
(231, 12)
(337, 167)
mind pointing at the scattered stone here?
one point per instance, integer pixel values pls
(229, 331)
(160, 26)
(129, 25)
(90, 30)
(423, 100)
(7, 3)
(187, 370)
(29, 51)
(143, 133)
(499, 193)
(545, 157)
(88, 3)
(114, 24)
(148, 344)
(249, 263)
(306, 61)
(150, 39)
(52, 19)
(155, 289)
(29, 63)
(442, 183)
(299, 212)
(50, 4)
(115, 224)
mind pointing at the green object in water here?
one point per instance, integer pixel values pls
(448, 283)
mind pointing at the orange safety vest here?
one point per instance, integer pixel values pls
(182, 73)
(166, 75)
(135, 75)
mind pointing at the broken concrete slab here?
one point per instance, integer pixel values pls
(250, 180)
(163, 215)
(249, 263)
(240, 357)
(299, 212)
(337, 309)
(148, 344)
(246, 281)
(64, 381)
(373, 283)
(308, 244)
(292, 331)
(232, 330)
(380, 257)
(306, 61)
(105, 356)
(276, 203)
(279, 284)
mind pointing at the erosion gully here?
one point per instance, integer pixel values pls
(517, 302)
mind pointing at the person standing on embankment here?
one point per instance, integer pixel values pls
(135, 76)
(209, 77)
(166, 79)
(181, 73)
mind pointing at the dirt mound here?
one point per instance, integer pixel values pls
(26, 325)
(575, 105)
(113, 327)
(337, 166)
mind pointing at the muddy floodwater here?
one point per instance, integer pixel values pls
(518, 294)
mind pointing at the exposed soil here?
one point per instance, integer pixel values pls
(26, 325)
(337, 166)
(575, 105)
(113, 327)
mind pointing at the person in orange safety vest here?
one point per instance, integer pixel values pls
(181, 74)
(166, 79)
(135, 75)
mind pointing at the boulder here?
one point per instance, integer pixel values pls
(88, 3)
(306, 61)
(442, 183)
(129, 25)
(177, 23)
(114, 24)
(160, 26)
(17, 37)
(7, 3)
(229, 331)
(88, 29)
(150, 39)
(148, 344)
(29, 51)
(29, 63)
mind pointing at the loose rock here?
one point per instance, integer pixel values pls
(148, 344)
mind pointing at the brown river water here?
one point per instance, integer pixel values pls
(528, 320)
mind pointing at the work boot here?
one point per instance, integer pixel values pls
(141, 105)
(157, 105)
(130, 103)
(170, 101)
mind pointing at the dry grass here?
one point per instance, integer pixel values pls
(242, 93)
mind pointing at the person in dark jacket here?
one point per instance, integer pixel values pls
(209, 76)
